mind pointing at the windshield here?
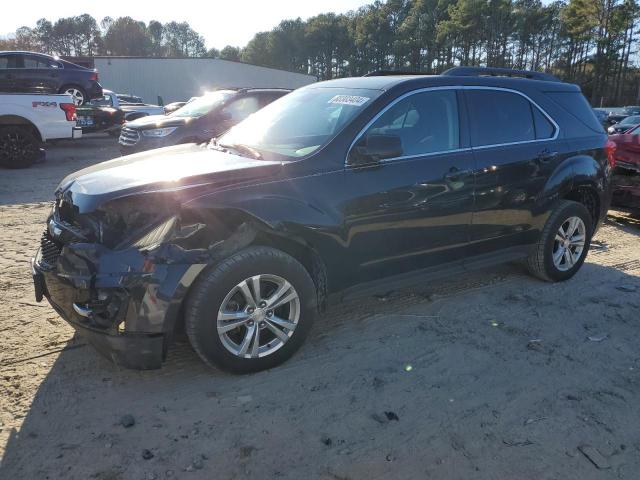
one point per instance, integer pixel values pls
(202, 105)
(301, 122)
(634, 120)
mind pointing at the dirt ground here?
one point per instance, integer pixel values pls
(494, 376)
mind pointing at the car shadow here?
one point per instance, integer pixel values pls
(335, 404)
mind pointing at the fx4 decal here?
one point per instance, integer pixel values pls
(44, 104)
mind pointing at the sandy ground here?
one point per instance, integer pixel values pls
(496, 376)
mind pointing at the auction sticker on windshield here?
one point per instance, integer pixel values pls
(349, 100)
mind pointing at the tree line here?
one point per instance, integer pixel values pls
(589, 42)
(82, 36)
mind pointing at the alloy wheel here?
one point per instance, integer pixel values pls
(568, 244)
(258, 316)
(77, 95)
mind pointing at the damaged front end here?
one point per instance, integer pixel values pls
(119, 274)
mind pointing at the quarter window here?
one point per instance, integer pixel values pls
(498, 117)
(425, 122)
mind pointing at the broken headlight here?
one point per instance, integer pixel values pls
(157, 235)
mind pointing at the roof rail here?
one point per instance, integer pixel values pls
(499, 72)
(389, 73)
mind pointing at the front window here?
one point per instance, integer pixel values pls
(203, 105)
(301, 122)
(425, 122)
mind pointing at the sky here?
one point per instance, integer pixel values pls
(227, 22)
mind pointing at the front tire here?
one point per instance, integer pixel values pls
(252, 311)
(563, 244)
(19, 147)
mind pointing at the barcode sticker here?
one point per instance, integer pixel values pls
(349, 100)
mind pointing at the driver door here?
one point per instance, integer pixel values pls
(412, 211)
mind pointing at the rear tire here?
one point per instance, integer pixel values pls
(225, 295)
(563, 244)
(78, 94)
(19, 147)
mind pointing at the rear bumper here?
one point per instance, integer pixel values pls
(76, 133)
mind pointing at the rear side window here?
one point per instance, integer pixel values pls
(37, 62)
(577, 105)
(498, 117)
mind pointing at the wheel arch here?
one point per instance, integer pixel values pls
(579, 178)
(238, 230)
(16, 120)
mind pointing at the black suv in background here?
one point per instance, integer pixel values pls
(199, 120)
(340, 187)
(28, 72)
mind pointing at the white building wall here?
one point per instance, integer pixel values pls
(178, 79)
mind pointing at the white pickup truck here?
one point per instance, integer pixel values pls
(28, 121)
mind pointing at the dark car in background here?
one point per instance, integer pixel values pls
(99, 115)
(625, 124)
(199, 120)
(339, 188)
(28, 72)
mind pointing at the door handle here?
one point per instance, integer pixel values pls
(455, 173)
(546, 155)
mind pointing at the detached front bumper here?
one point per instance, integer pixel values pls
(122, 304)
(141, 351)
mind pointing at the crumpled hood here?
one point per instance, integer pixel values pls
(170, 168)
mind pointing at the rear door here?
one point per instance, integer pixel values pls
(39, 74)
(515, 148)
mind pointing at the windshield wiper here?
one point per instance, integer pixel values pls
(239, 147)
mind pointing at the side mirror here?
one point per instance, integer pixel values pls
(373, 148)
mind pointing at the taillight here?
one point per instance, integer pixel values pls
(94, 76)
(610, 148)
(69, 111)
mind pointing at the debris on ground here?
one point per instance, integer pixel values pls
(391, 416)
(598, 338)
(627, 288)
(127, 421)
(535, 344)
(595, 457)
